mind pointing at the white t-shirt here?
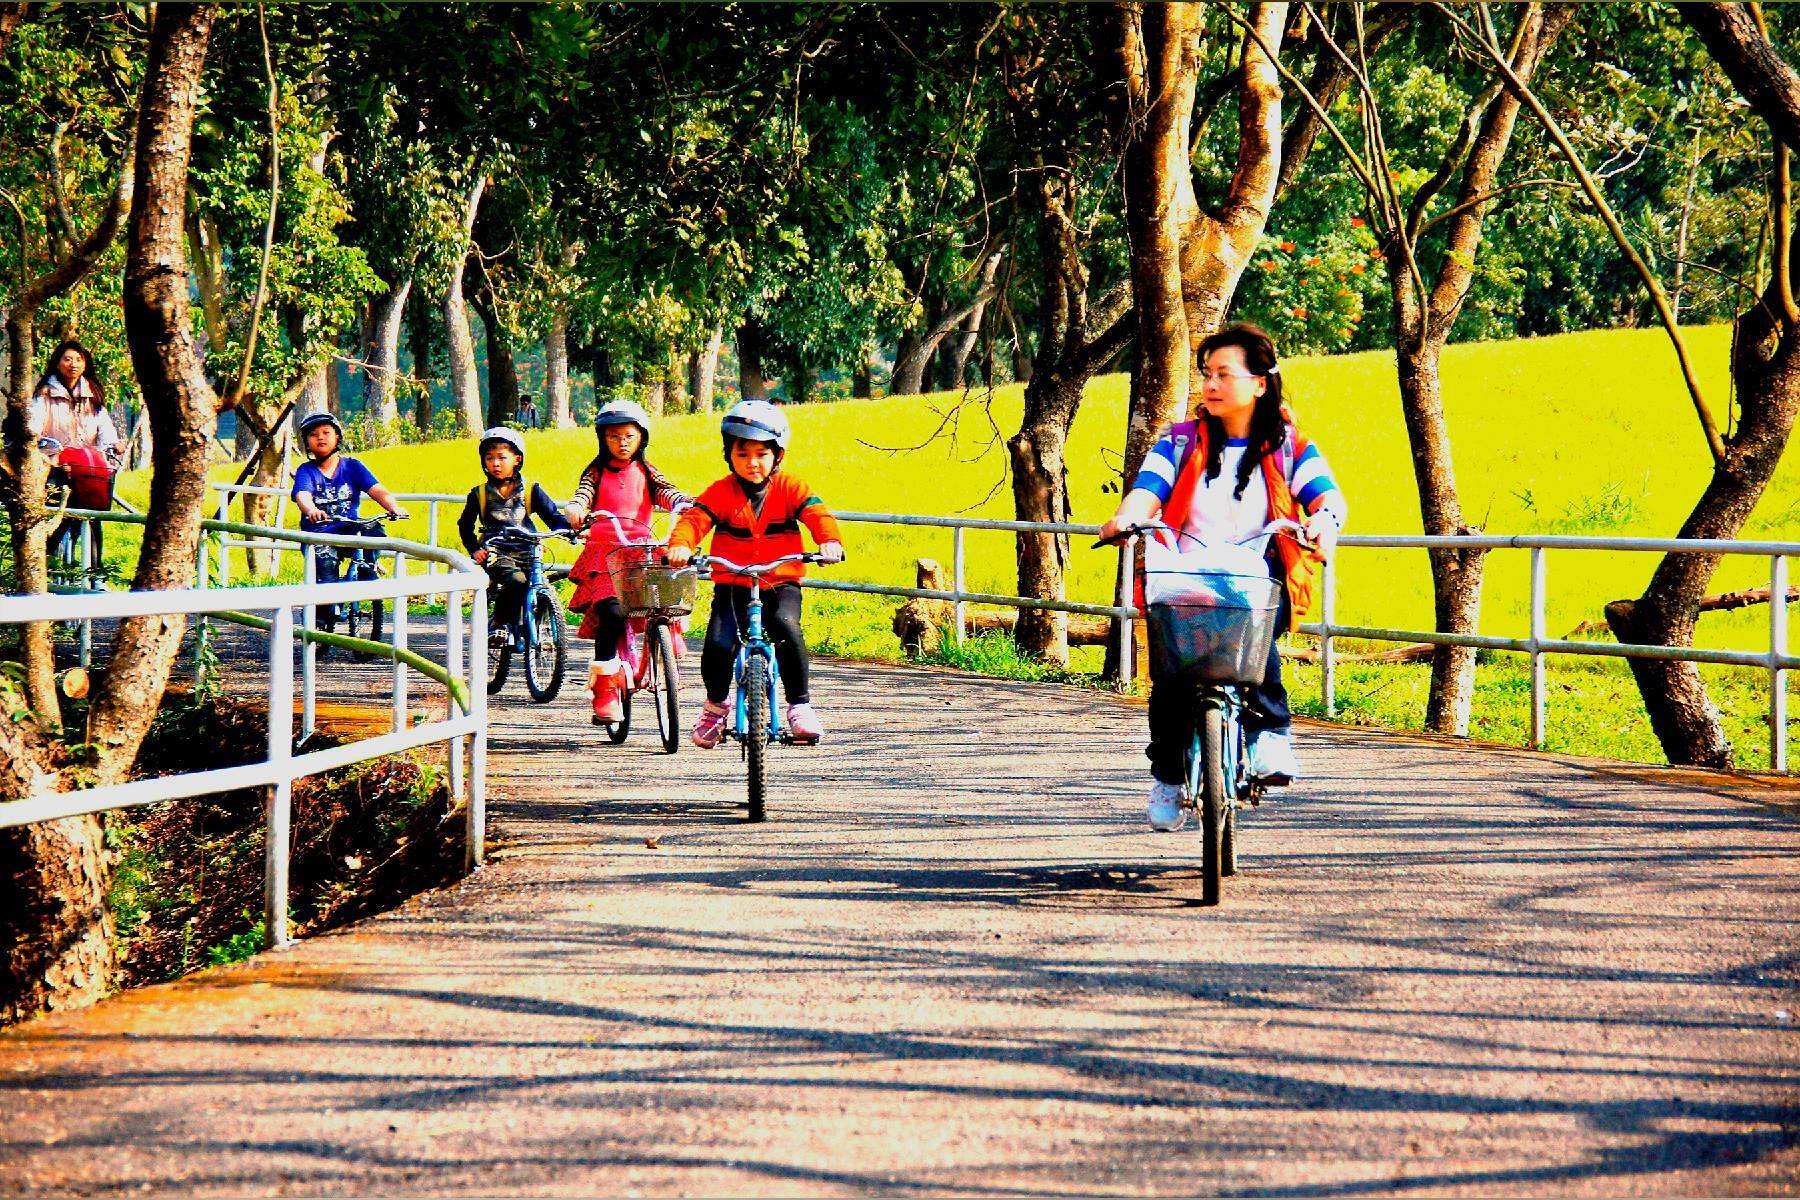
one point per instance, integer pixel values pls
(1218, 516)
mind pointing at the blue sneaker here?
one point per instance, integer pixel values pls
(1166, 813)
(1272, 760)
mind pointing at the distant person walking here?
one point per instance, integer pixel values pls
(528, 411)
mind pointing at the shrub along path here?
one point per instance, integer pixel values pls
(954, 960)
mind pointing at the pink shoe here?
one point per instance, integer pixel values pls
(803, 724)
(711, 728)
(604, 687)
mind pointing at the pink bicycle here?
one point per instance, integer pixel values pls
(655, 596)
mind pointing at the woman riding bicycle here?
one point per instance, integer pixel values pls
(1198, 478)
(620, 481)
(69, 404)
(504, 500)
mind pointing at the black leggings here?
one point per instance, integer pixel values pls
(781, 625)
(609, 627)
(507, 581)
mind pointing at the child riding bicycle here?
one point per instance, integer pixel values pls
(1199, 478)
(620, 481)
(755, 514)
(504, 500)
(329, 489)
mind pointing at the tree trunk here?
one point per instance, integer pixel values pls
(909, 371)
(1040, 493)
(703, 374)
(656, 392)
(862, 378)
(465, 386)
(24, 472)
(751, 383)
(53, 877)
(801, 381)
(681, 371)
(381, 383)
(419, 312)
(956, 360)
(502, 372)
(208, 257)
(312, 393)
(1022, 364)
(557, 412)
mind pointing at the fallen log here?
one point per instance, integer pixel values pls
(921, 624)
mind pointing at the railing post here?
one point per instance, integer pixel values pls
(1127, 555)
(1328, 642)
(309, 652)
(459, 789)
(400, 676)
(956, 565)
(478, 634)
(431, 535)
(1778, 643)
(277, 826)
(1537, 656)
(202, 626)
(87, 584)
(224, 541)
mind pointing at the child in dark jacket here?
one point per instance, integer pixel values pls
(504, 500)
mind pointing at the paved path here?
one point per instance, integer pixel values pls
(956, 961)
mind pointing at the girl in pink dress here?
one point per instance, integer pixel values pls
(620, 481)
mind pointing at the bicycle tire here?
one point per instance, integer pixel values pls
(546, 646)
(665, 689)
(1214, 801)
(756, 736)
(619, 730)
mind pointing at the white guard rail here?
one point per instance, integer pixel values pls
(1776, 659)
(463, 671)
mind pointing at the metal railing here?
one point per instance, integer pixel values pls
(453, 577)
(1536, 644)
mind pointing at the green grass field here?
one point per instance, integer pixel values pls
(1585, 434)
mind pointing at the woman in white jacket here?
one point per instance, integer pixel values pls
(69, 403)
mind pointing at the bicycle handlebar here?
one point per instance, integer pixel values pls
(705, 562)
(1278, 525)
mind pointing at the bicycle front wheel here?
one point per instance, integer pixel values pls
(1215, 801)
(755, 685)
(366, 620)
(619, 730)
(546, 654)
(664, 689)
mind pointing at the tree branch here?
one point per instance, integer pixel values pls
(1754, 66)
(1484, 197)
(1714, 442)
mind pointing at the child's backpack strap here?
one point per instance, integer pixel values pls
(1185, 435)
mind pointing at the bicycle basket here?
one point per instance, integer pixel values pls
(89, 476)
(1211, 614)
(646, 585)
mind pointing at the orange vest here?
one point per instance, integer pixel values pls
(1299, 566)
(746, 536)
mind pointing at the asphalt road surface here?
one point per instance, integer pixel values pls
(956, 960)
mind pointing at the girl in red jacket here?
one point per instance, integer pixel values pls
(755, 514)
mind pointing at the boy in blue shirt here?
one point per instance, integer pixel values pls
(330, 488)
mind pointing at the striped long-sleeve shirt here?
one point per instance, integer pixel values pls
(1220, 515)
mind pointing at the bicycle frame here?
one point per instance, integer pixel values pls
(752, 641)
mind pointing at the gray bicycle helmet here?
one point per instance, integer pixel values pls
(755, 421)
(502, 435)
(619, 411)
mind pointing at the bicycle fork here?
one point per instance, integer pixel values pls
(753, 642)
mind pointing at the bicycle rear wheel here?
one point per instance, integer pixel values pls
(546, 652)
(756, 736)
(665, 687)
(1215, 802)
(619, 730)
(499, 663)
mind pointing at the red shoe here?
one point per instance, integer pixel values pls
(604, 686)
(711, 728)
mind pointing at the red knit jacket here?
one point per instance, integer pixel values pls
(744, 535)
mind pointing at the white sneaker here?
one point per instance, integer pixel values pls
(1272, 758)
(1166, 813)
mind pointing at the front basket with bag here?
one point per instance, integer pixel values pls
(1211, 613)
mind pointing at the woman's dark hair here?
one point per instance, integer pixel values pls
(1267, 427)
(87, 368)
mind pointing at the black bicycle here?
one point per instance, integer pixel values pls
(541, 634)
(360, 618)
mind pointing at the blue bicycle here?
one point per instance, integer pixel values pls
(541, 632)
(360, 617)
(754, 677)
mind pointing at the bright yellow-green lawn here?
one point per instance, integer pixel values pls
(1588, 433)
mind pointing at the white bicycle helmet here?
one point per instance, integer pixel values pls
(619, 411)
(505, 437)
(755, 421)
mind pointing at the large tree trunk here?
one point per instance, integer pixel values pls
(681, 370)
(465, 386)
(381, 390)
(419, 314)
(312, 392)
(1041, 493)
(502, 372)
(53, 878)
(557, 411)
(752, 385)
(703, 377)
(910, 368)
